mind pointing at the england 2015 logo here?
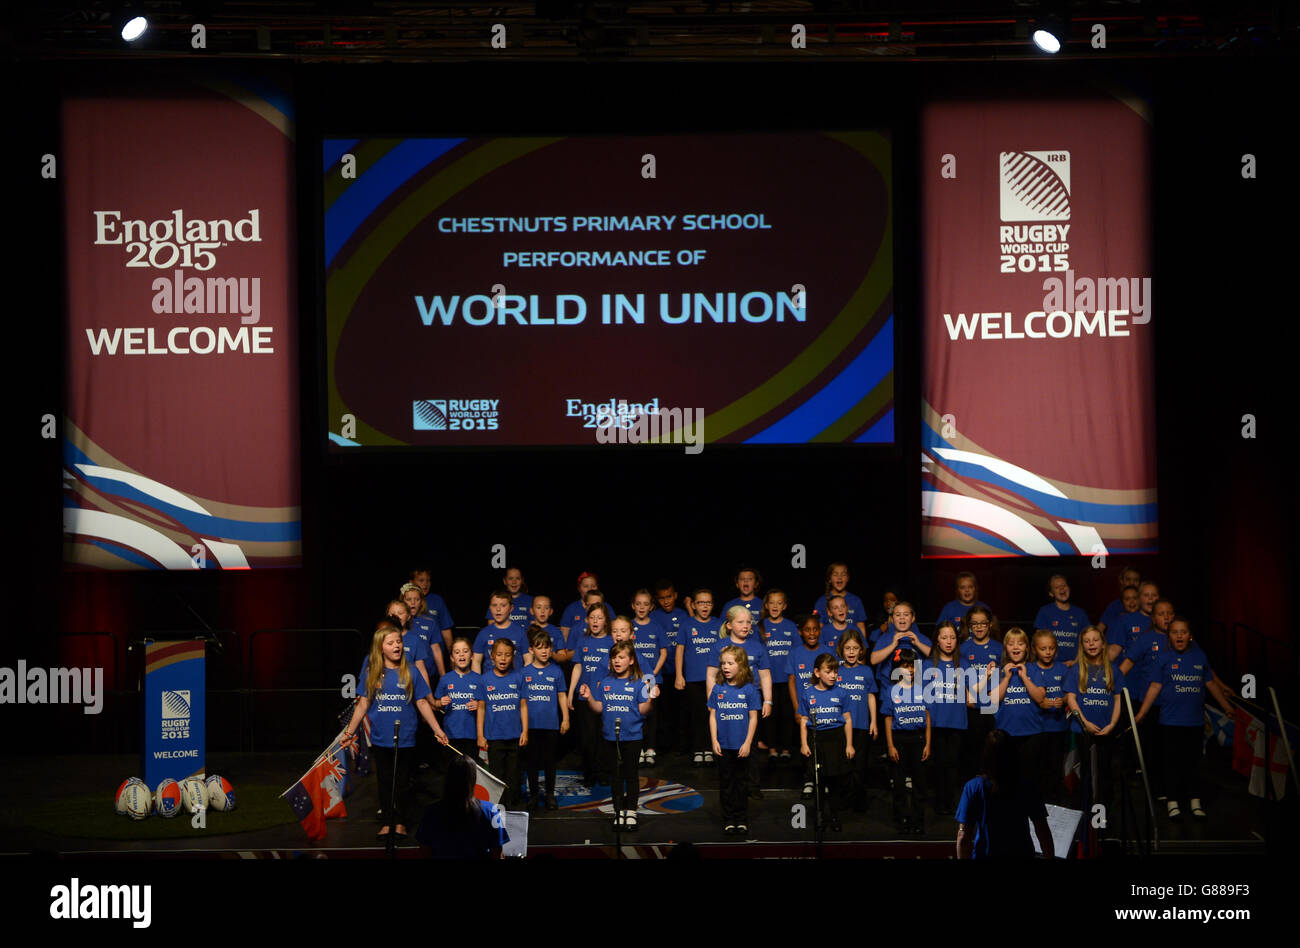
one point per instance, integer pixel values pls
(1034, 196)
(456, 414)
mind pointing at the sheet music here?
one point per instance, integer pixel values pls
(1062, 824)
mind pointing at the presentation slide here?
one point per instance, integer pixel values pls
(609, 290)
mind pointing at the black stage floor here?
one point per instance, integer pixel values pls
(679, 805)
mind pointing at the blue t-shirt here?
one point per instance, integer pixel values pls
(519, 607)
(673, 622)
(955, 611)
(1182, 676)
(943, 691)
(731, 707)
(620, 698)
(857, 611)
(1001, 822)
(390, 706)
(885, 669)
(438, 611)
(415, 650)
(778, 638)
(698, 639)
(858, 681)
(825, 709)
(562, 642)
(648, 639)
(516, 633)
(426, 629)
(755, 653)
(458, 721)
(831, 635)
(544, 684)
(476, 841)
(1067, 625)
(578, 619)
(978, 655)
(1095, 702)
(592, 655)
(1144, 653)
(502, 720)
(754, 605)
(1109, 613)
(1125, 628)
(908, 711)
(1017, 714)
(802, 659)
(1051, 720)
(574, 615)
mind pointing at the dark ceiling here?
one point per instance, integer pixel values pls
(687, 30)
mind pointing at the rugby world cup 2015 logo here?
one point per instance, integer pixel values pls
(430, 414)
(1034, 185)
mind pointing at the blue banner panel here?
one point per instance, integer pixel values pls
(173, 711)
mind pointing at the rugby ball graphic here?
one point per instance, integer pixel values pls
(1032, 189)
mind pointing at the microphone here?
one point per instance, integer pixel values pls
(397, 731)
(618, 727)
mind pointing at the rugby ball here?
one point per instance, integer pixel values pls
(137, 800)
(119, 801)
(221, 795)
(194, 794)
(167, 798)
(1031, 188)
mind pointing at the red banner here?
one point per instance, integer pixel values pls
(181, 436)
(1038, 431)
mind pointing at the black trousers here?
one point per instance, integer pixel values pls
(621, 760)
(1106, 754)
(392, 802)
(650, 725)
(670, 732)
(978, 728)
(539, 757)
(1047, 751)
(909, 745)
(1182, 750)
(697, 710)
(945, 765)
(858, 768)
(1152, 736)
(733, 786)
(778, 729)
(593, 760)
(504, 762)
(829, 751)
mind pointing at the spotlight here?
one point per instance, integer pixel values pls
(134, 27)
(1050, 33)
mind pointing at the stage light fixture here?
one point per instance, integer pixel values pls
(1049, 33)
(134, 27)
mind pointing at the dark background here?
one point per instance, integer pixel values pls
(1224, 337)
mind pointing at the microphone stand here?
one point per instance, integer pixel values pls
(392, 800)
(616, 779)
(818, 829)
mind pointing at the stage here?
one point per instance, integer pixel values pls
(679, 805)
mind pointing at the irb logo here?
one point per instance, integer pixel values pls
(430, 414)
(1034, 185)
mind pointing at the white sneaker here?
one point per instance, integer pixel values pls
(641, 760)
(698, 759)
(650, 757)
(908, 783)
(708, 757)
(629, 819)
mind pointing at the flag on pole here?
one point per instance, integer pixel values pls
(358, 755)
(488, 788)
(1218, 726)
(1247, 730)
(318, 794)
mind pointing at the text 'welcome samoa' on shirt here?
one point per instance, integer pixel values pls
(824, 708)
(731, 708)
(778, 638)
(620, 699)
(1095, 702)
(458, 721)
(390, 705)
(503, 694)
(698, 637)
(543, 685)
